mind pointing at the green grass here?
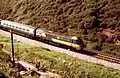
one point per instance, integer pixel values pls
(5, 66)
(61, 64)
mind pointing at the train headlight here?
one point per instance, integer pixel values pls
(74, 38)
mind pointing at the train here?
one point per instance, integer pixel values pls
(36, 33)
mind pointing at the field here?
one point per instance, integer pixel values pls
(64, 65)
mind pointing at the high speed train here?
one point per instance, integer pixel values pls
(69, 42)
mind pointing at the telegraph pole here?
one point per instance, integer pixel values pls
(12, 42)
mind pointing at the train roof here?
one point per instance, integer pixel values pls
(61, 36)
(57, 35)
(18, 24)
(40, 29)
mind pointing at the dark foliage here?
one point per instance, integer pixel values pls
(85, 18)
(61, 15)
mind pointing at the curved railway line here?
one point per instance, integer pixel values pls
(103, 56)
(88, 55)
(108, 57)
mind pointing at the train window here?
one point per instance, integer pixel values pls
(13, 26)
(27, 29)
(16, 27)
(62, 38)
(4, 24)
(23, 29)
(20, 28)
(74, 41)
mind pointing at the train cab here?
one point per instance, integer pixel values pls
(78, 41)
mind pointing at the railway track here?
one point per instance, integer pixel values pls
(103, 56)
(88, 55)
(97, 54)
(108, 57)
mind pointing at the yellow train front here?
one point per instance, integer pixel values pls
(72, 43)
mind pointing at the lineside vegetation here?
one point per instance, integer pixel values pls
(66, 66)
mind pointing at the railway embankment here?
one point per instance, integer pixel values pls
(28, 69)
(61, 50)
(59, 63)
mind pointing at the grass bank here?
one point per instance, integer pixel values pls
(62, 64)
